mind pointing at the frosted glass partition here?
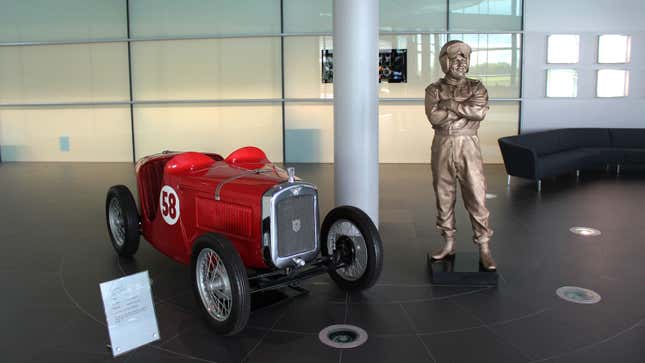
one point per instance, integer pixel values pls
(405, 135)
(208, 127)
(308, 16)
(64, 73)
(496, 61)
(485, 15)
(171, 18)
(501, 120)
(309, 133)
(413, 15)
(237, 68)
(66, 134)
(46, 20)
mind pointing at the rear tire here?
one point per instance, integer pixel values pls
(122, 220)
(350, 236)
(220, 283)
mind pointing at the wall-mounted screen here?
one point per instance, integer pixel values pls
(392, 67)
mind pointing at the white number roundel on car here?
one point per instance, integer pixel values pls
(169, 204)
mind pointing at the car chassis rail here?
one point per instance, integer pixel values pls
(291, 276)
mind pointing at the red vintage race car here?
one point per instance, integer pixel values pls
(243, 225)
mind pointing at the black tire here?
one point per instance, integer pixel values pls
(236, 281)
(374, 247)
(123, 224)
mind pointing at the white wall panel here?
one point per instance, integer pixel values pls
(238, 68)
(212, 127)
(64, 73)
(94, 134)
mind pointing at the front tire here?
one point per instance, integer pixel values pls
(353, 241)
(122, 220)
(220, 284)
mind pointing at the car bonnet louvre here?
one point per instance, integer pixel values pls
(245, 172)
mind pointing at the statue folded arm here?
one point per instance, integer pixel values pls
(475, 107)
(436, 111)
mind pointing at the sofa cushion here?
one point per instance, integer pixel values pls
(628, 138)
(570, 160)
(633, 156)
(542, 142)
(577, 138)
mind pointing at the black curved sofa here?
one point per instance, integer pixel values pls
(556, 152)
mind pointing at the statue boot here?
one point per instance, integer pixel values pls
(486, 257)
(447, 250)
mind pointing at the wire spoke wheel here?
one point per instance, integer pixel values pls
(117, 222)
(351, 240)
(123, 221)
(346, 239)
(214, 284)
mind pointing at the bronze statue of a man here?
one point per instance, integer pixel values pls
(455, 105)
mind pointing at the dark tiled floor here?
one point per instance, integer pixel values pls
(55, 253)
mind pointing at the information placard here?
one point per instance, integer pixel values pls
(129, 312)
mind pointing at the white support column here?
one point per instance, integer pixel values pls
(356, 174)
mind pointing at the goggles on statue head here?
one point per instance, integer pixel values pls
(450, 50)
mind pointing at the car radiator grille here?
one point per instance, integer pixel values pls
(296, 225)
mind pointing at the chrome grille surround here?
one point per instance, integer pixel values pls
(302, 201)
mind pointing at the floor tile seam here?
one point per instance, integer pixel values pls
(426, 348)
(527, 316)
(186, 356)
(492, 331)
(50, 344)
(346, 307)
(275, 323)
(592, 345)
(168, 299)
(285, 331)
(71, 298)
(413, 301)
(408, 318)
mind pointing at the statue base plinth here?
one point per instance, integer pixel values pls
(463, 268)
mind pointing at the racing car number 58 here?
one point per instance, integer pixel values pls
(169, 204)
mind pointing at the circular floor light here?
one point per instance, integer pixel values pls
(585, 231)
(491, 196)
(343, 336)
(578, 295)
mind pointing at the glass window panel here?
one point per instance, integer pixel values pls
(169, 18)
(309, 132)
(46, 20)
(237, 68)
(308, 16)
(422, 63)
(413, 15)
(563, 48)
(303, 67)
(405, 135)
(64, 73)
(561, 83)
(612, 83)
(98, 133)
(485, 15)
(495, 60)
(614, 48)
(219, 128)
